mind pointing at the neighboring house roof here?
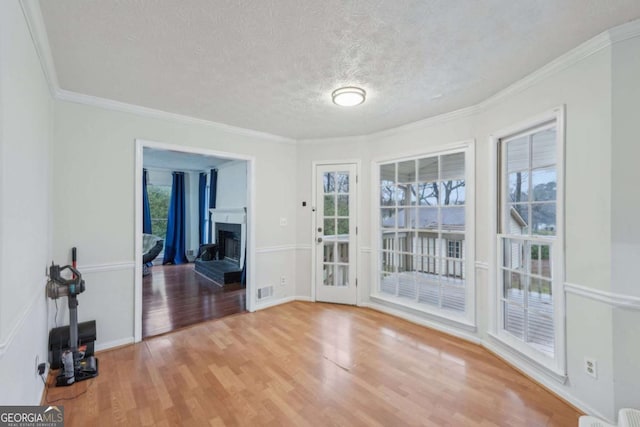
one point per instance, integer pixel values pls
(515, 215)
(453, 218)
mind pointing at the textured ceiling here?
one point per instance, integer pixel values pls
(271, 65)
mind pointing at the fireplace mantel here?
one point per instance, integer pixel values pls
(229, 215)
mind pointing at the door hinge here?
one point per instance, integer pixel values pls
(356, 282)
(356, 179)
(356, 231)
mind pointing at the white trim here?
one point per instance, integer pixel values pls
(113, 266)
(406, 306)
(115, 343)
(304, 298)
(439, 150)
(558, 361)
(313, 246)
(545, 379)
(481, 265)
(506, 349)
(616, 300)
(273, 303)
(109, 104)
(303, 247)
(624, 32)
(564, 61)
(427, 122)
(251, 215)
(279, 248)
(17, 326)
(438, 326)
(588, 48)
(467, 147)
(33, 17)
(366, 249)
(238, 215)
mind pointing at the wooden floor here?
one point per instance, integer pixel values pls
(175, 296)
(313, 364)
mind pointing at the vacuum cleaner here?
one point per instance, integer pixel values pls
(77, 362)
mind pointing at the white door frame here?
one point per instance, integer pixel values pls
(314, 225)
(140, 144)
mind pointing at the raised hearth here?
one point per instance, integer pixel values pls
(222, 272)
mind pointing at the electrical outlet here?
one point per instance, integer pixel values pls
(283, 281)
(40, 367)
(591, 367)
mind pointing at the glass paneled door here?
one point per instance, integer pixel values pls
(335, 233)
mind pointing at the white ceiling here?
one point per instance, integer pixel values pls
(271, 65)
(178, 161)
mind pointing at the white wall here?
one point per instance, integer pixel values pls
(585, 88)
(625, 212)
(232, 185)
(26, 113)
(94, 160)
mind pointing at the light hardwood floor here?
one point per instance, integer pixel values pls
(309, 364)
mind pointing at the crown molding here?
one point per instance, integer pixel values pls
(428, 122)
(35, 22)
(109, 104)
(624, 32)
(577, 54)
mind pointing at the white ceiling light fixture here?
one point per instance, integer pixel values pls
(349, 96)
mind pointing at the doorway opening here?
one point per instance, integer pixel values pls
(193, 250)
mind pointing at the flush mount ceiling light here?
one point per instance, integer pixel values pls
(348, 96)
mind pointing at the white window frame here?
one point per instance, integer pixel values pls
(554, 366)
(465, 320)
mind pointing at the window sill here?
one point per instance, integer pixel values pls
(420, 310)
(525, 362)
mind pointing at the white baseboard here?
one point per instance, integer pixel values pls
(304, 298)
(115, 343)
(273, 303)
(548, 383)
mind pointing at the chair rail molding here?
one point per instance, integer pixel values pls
(616, 300)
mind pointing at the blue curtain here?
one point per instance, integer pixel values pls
(202, 209)
(174, 245)
(213, 190)
(146, 212)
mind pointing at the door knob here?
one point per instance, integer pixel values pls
(319, 239)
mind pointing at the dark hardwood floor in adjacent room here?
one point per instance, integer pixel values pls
(175, 296)
(308, 364)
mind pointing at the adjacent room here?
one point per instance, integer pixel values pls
(193, 266)
(320, 212)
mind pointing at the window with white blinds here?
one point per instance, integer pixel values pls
(529, 242)
(422, 232)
